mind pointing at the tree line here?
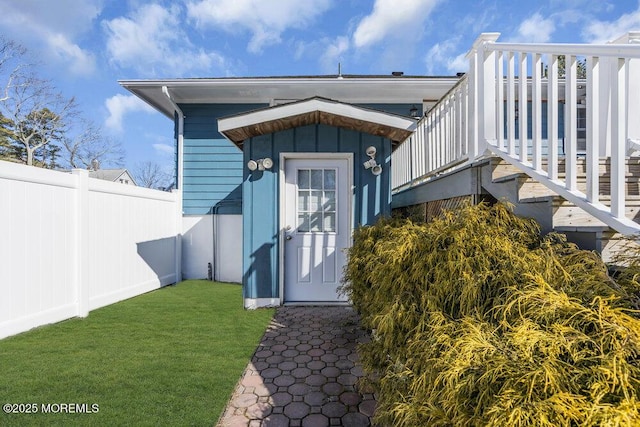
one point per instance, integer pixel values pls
(39, 126)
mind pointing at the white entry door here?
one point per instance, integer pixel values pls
(316, 228)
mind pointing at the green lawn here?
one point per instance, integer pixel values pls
(170, 357)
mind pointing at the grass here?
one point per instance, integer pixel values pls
(169, 357)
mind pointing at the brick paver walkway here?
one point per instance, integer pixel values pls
(304, 373)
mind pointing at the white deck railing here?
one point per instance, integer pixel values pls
(439, 142)
(486, 114)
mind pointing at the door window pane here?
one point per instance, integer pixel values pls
(303, 178)
(329, 201)
(316, 221)
(316, 179)
(329, 179)
(316, 200)
(329, 222)
(303, 222)
(315, 204)
(303, 200)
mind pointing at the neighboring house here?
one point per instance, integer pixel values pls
(114, 175)
(275, 173)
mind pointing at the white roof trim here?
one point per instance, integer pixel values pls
(312, 105)
(350, 89)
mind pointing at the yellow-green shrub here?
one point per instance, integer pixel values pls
(477, 320)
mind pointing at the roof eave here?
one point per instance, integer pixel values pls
(355, 90)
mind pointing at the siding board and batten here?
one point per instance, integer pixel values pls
(370, 195)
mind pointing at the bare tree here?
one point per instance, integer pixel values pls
(151, 175)
(37, 114)
(11, 64)
(88, 145)
(33, 113)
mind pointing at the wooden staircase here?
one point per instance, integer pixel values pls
(554, 213)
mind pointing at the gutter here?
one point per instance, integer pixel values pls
(180, 172)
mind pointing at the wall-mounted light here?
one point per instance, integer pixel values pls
(376, 169)
(413, 112)
(260, 164)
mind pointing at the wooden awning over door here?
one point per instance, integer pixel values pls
(315, 110)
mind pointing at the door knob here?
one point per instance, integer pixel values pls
(288, 237)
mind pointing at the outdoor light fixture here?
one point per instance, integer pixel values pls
(413, 112)
(376, 169)
(260, 164)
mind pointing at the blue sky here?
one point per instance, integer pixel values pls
(85, 46)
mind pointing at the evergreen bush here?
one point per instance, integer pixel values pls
(479, 321)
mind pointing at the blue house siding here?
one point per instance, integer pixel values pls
(371, 197)
(399, 109)
(544, 118)
(212, 165)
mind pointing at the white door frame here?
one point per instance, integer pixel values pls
(281, 203)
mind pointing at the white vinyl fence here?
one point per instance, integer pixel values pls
(71, 244)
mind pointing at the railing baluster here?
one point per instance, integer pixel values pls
(445, 134)
(499, 99)
(511, 103)
(457, 139)
(428, 141)
(570, 123)
(593, 129)
(552, 117)
(536, 111)
(465, 119)
(618, 148)
(424, 130)
(450, 124)
(416, 148)
(438, 137)
(522, 108)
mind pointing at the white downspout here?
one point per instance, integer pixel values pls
(179, 177)
(177, 109)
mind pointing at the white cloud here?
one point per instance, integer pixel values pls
(265, 20)
(333, 53)
(152, 42)
(119, 105)
(80, 61)
(443, 58)
(603, 31)
(536, 29)
(458, 64)
(391, 18)
(164, 150)
(53, 28)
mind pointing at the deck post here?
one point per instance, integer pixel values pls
(482, 91)
(633, 91)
